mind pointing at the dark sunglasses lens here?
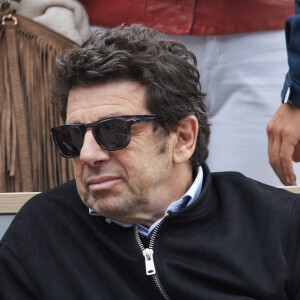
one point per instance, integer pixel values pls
(113, 134)
(69, 140)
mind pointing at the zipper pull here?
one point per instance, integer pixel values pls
(149, 261)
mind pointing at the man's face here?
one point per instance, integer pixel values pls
(136, 183)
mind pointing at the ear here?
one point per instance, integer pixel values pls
(185, 142)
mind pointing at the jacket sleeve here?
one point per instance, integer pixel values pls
(291, 87)
(14, 280)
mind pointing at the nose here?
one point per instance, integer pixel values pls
(91, 153)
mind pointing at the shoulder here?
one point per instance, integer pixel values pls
(64, 196)
(264, 216)
(255, 196)
(58, 202)
(47, 214)
(273, 213)
(243, 183)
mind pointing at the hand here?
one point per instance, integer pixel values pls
(284, 142)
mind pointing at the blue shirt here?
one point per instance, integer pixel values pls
(187, 199)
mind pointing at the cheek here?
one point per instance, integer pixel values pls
(148, 164)
(78, 171)
(78, 168)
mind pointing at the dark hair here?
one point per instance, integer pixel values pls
(166, 68)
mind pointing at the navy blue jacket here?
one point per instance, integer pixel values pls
(291, 88)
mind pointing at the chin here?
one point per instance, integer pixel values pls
(110, 207)
(100, 202)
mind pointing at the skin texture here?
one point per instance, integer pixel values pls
(284, 142)
(135, 184)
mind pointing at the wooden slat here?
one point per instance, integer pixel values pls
(293, 189)
(10, 203)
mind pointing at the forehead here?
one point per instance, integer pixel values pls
(89, 104)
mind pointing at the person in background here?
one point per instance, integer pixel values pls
(145, 218)
(241, 57)
(284, 128)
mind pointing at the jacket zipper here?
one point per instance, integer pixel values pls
(148, 254)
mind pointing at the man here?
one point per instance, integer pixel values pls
(159, 224)
(283, 129)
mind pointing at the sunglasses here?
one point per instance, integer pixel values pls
(110, 133)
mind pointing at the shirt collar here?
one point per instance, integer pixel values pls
(190, 196)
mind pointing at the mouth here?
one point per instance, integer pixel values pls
(103, 182)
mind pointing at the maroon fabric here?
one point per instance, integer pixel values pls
(199, 17)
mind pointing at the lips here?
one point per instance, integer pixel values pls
(102, 182)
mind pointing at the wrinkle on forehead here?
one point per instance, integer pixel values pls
(90, 104)
(94, 114)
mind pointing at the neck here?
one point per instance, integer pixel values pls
(176, 188)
